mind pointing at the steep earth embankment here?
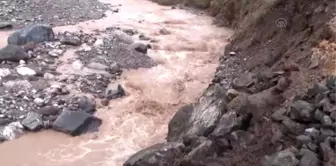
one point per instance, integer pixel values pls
(286, 48)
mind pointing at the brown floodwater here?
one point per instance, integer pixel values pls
(187, 58)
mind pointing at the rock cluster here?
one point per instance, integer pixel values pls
(23, 13)
(35, 96)
(311, 119)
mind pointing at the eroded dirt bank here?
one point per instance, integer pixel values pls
(185, 48)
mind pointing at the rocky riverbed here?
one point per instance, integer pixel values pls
(18, 14)
(36, 94)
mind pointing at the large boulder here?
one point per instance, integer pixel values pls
(76, 123)
(13, 53)
(35, 33)
(164, 154)
(201, 119)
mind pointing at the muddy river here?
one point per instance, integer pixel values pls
(187, 59)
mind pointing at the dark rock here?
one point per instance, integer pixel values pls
(200, 152)
(293, 127)
(178, 124)
(48, 110)
(114, 92)
(228, 123)
(115, 68)
(312, 132)
(35, 33)
(86, 104)
(2, 138)
(331, 82)
(202, 119)
(333, 115)
(327, 132)
(243, 81)
(104, 102)
(282, 84)
(232, 93)
(33, 121)
(302, 111)
(303, 139)
(222, 144)
(73, 41)
(318, 115)
(6, 25)
(313, 147)
(332, 97)
(143, 37)
(279, 114)
(282, 158)
(164, 31)
(13, 53)
(240, 138)
(76, 123)
(326, 120)
(324, 149)
(326, 106)
(4, 121)
(309, 158)
(239, 104)
(164, 154)
(318, 88)
(140, 47)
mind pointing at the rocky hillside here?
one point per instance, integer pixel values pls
(279, 110)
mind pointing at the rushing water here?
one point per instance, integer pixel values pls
(187, 61)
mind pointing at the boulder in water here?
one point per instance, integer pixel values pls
(76, 122)
(35, 33)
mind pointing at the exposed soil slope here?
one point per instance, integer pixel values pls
(280, 49)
